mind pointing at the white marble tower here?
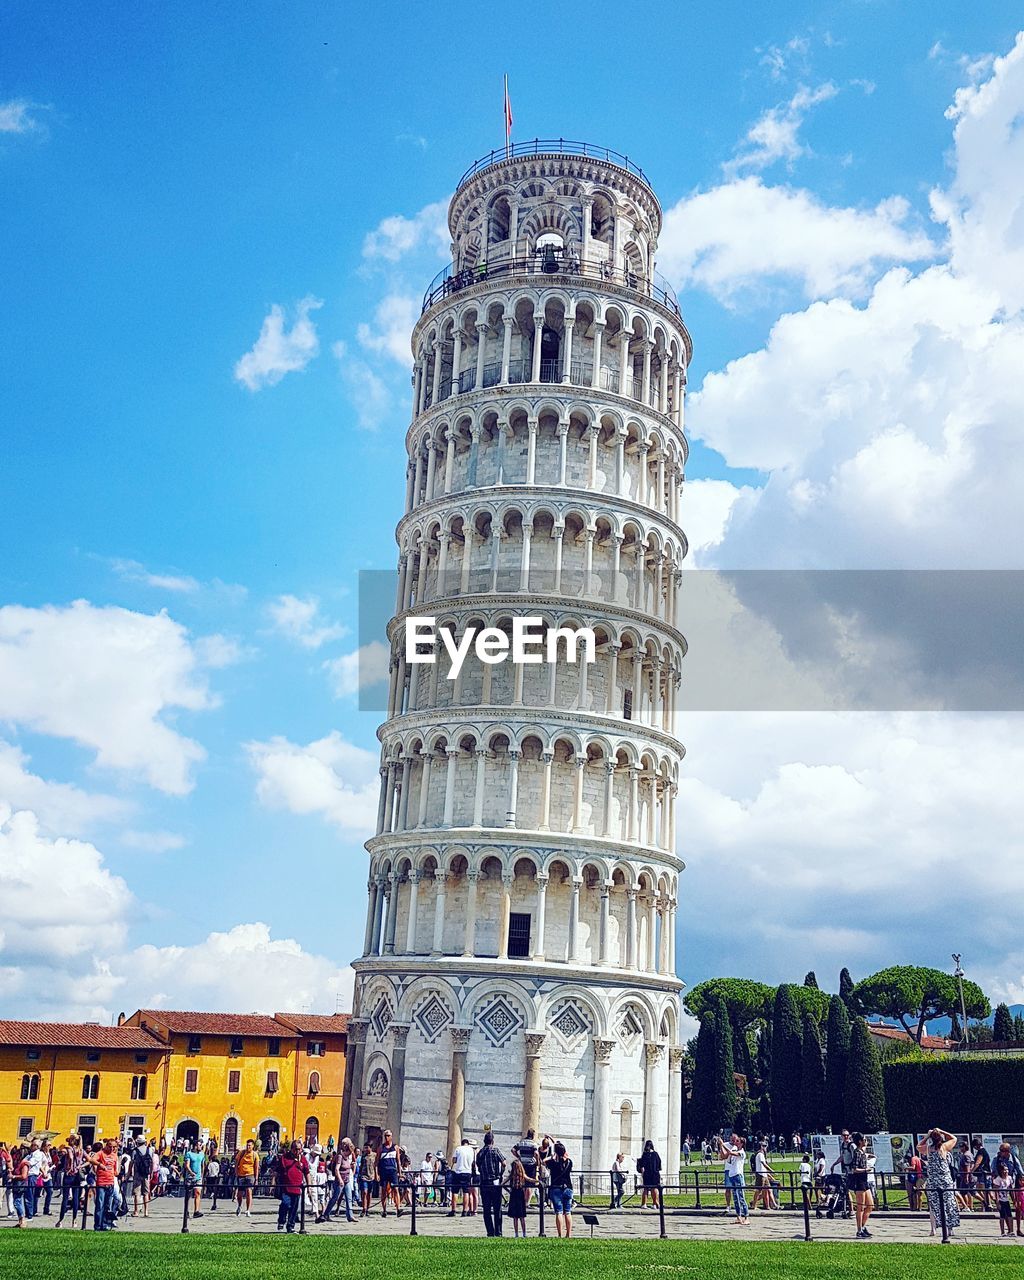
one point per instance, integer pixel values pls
(519, 958)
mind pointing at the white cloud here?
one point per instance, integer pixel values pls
(396, 236)
(132, 571)
(106, 678)
(57, 900)
(366, 667)
(707, 509)
(778, 58)
(280, 350)
(330, 777)
(706, 240)
(244, 968)
(300, 621)
(58, 805)
(17, 115)
(368, 392)
(393, 321)
(774, 135)
(152, 841)
(984, 206)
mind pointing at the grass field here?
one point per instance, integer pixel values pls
(46, 1255)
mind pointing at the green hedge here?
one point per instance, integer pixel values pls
(963, 1095)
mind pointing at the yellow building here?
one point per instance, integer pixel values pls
(168, 1074)
(238, 1076)
(99, 1082)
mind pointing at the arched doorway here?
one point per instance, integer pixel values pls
(187, 1129)
(230, 1135)
(269, 1135)
(312, 1130)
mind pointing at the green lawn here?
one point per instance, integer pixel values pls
(46, 1255)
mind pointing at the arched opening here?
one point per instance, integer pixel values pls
(626, 1127)
(312, 1131)
(230, 1135)
(187, 1130)
(269, 1135)
(550, 355)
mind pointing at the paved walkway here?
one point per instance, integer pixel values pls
(166, 1216)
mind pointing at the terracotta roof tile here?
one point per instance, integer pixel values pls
(216, 1024)
(76, 1035)
(897, 1033)
(335, 1024)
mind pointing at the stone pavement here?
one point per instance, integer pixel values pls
(632, 1223)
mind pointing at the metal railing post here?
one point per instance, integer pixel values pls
(696, 1186)
(412, 1226)
(543, 1196)
(184, 1213)
(661, 1213)
(807, 1212)
(302, 1208)
(942, 1215)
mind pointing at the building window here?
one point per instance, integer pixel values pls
(141, 1058)
(87, 1130)
(519, 935)
(627, 705)
(234, 1082)
(314, 1083)
(195, 1044)
(192, 1080)
(30, 1087)
(315, 1048)
(136, 1126)
(273, 1047)
(91, 1087)
(230, 1135)
(272, 1082)
(237, 1045)
(33, 1055)
(312, 1131)
(139, 1084)
(25, 1126)
(93, 1055)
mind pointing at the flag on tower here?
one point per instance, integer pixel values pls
(508, 123)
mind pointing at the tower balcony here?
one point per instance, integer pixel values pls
(552, 265)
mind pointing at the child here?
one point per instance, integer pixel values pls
(517, 1182)
(213, 1180)
(1001, 1184)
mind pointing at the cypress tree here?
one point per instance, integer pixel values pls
(812, 1078)
(865, 1094)
(786, 1061)
(741, 1052)
(846, 989)
(838, 1052)
(703, 1069)
(1002, 1027)
(955, 1030)
(1018, 1026)
(810, 980)
(723, 1084)
(764, 1077)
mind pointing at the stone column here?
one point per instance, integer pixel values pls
(532, 427)
(620, 462)
(478, 798)
(609, 790)
(675, 1109)
(595, 375)
(382, 804)
(611, 696)
(457, 1095)
(392, 918)
(424, 796)
(568, 326)
(355, 1057)
(538, 330)
(403, 799)
(600, 1157)
(577, 804)
(378, 917)
(634, 804)
(545, 792)
(436, 387)
(652, 932)
(449, 788)
(531, 1086)
(414, 898)
(513, 788)
(371, 890)
(574, 920)
(506, 356)
(428, 492)
(442, 565)
(456, 361)
(652, 1111)
(542, 900)
(625, 372)
(469, 947)
(389, 795)
(505, 918)
(524, 564)
(604, 939)
(399, 1032)
(481, 352)
(645, 385)
(440, 882)
(631, 931)
(563, 437)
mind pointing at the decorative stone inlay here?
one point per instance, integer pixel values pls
(382, 1017)
(630, 1028)
(570, 1023)
(431, 1017)
(499, 1020)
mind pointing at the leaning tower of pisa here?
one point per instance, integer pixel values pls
(519, 961)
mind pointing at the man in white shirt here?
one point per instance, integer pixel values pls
(462, 1177)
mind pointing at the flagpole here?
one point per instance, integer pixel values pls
(508, 125)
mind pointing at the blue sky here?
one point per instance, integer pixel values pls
(169, 175)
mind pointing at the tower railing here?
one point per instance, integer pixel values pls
(556, 147)
(548, 262)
